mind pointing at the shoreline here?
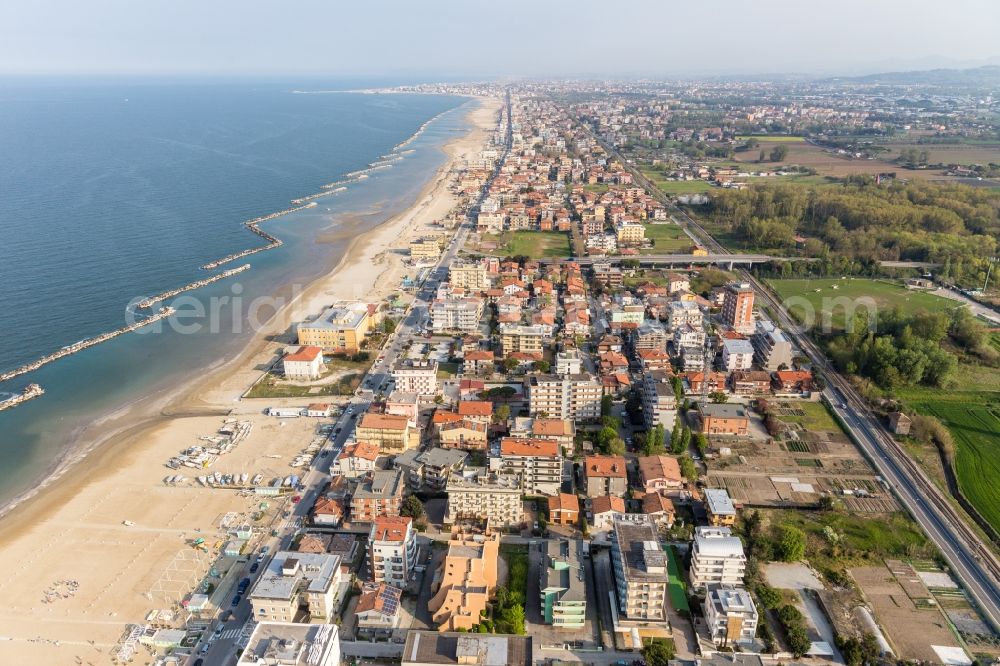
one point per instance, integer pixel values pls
(113, 433)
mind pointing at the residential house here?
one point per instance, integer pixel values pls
(378, 612)
(605, 475)
(660, 474)
(563, 585)
(537, 462)
(720, 508)
(304, 364)
(392, 550)
(379, 494)
(564, 509)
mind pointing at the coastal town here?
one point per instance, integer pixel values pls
(568, 424)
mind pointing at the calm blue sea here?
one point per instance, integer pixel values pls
(113, 190)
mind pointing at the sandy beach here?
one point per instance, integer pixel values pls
(74, 575)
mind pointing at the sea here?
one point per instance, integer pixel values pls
(111, 190)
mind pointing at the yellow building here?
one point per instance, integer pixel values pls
(630, 233)
(388, 431)
(342, 328)
(425, 249)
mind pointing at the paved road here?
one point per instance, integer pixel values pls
(970, 559)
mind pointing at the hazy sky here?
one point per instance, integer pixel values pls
(509, 37)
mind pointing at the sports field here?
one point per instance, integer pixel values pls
(822, 301)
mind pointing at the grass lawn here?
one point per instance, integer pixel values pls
(667, 239)
(817, 301)
(676, 186)
(270, 388)
(816, 419)
(773, 139)
(861, 537)
(534, 244)
(597, 188)
(676, 586)
(447, 370)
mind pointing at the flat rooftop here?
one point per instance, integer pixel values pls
(288, 644)
(451, 648)
(314, 571)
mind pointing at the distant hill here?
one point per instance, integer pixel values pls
(978, 77)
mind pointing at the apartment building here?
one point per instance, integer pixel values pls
(475, 494)
(717, 557)
(569, 362)
(340, 329)
(418, 377)
(684, 312)
(292, 579)
(379, 494)
(640, 569)
(731, 615)
(537, 462)
(736, 354)
(432, 648)
(378, 611)
(392, 550)
(570, 397)
(457, 315)
(737, 307)
(605, 475)
(471, 276)
(389, 432)
(771, 347)
(562, 585)
(724, 420)
(468, 578)
(659, 400)
(649, 336)
(292, 644)
(630, 234)
(425, 249)
(515, 338)
(355, 460)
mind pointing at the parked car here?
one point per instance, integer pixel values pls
(236, 601)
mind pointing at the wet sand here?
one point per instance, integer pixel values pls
(73, 529)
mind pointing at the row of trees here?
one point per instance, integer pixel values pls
(955, 225)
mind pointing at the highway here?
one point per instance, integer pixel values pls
(970, 559)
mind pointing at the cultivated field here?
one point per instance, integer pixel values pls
(820, 300)
(952, 153)
(676, 186)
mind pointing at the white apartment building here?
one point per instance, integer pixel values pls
(571, 397)
(292, 579)
(684, 312)
(418, 377)
(659, 400)
(737, 354)
(717, 558)
(292, 644)
(568, 362)
(477, 494)
(730, 615)
(771, 348)
(392, 550)
(456, 314)
(640, 569)
(537, 462)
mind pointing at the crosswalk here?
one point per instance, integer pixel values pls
(231, 633)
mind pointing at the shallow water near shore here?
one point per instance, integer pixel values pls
(98, 214)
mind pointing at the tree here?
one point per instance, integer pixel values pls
(513, 617)
(510, 364)
(779, 153)
(718, 397)
(616, 447)
(658, 652)
(655, 443)
(791, 544)
(501, 414)
(688, 468)
(412, 507)
(542, 365)
(389, 325)
(701, 442)
(606, 403)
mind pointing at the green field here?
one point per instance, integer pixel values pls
(976, 431)
(773, 139)
(971, 411)
(816, 416)
(597, 188)
(667, 239)
(676, 186)
(817, 300)
(534, 244)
